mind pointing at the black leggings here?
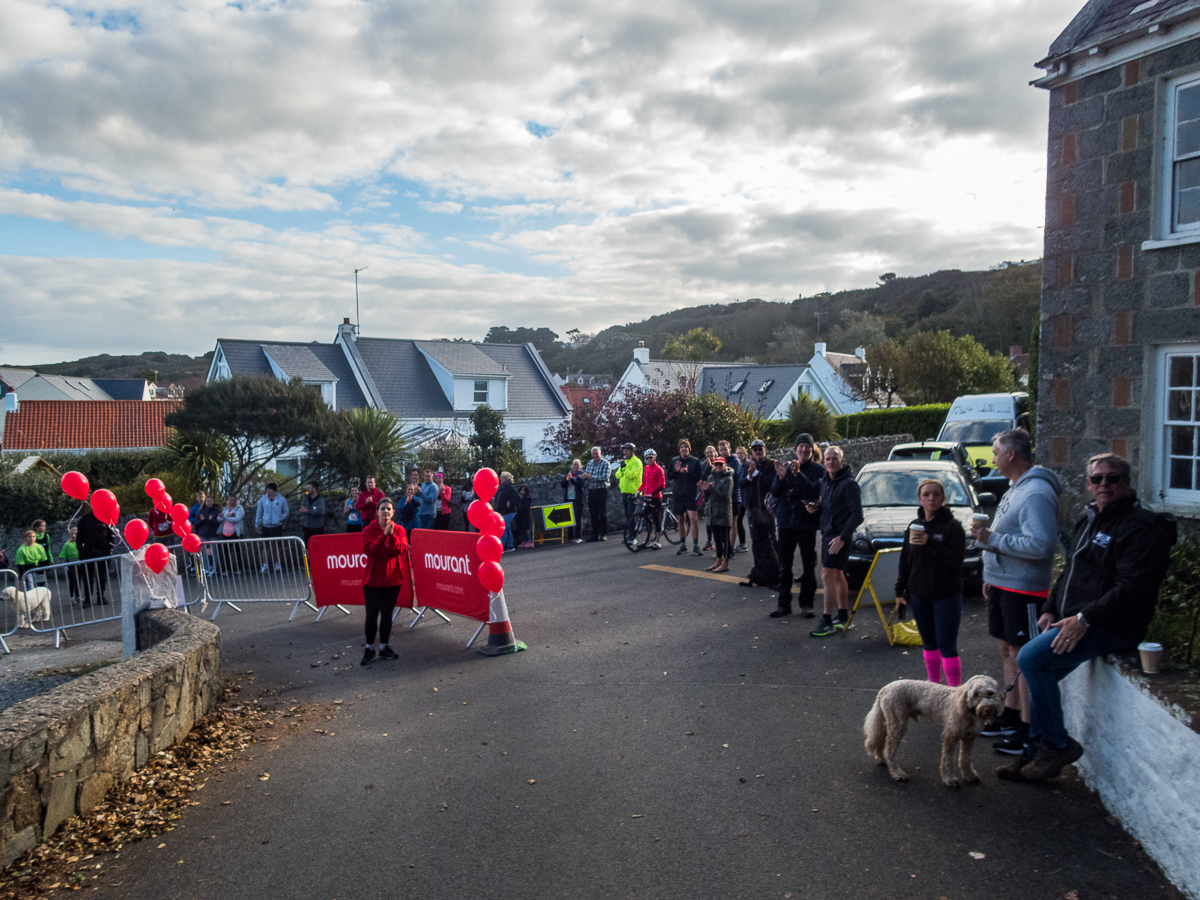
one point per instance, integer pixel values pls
(740, 512)
(938, 619)
(380, 603)
(720, 534)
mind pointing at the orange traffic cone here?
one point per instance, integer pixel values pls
(500, 634)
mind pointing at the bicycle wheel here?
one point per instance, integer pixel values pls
(633, 531)
(670, 527)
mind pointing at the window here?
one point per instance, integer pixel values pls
(1181, 168)
(766, 385)
(737, 387)
(481, 392)
(518, 443)
(1179, 415)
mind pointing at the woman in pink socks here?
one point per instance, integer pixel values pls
(931, 580)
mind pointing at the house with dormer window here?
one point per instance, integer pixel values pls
(432, 387)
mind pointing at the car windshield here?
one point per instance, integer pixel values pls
(899, 488)
(974, 432)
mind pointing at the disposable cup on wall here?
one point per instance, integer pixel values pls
(1151, 654)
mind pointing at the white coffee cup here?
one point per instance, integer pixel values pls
(916, 529)
(1151, 654)
(980, 518)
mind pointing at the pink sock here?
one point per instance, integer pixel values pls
(933, 665)
(953, 667)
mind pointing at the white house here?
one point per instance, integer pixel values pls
(432, 387)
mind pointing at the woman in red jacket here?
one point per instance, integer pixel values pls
(386, 549)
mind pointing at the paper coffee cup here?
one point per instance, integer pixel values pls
(917, 529)
(980, 518)
(1151, 654)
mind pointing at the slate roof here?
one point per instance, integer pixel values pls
(309, 362)
(1105, 22)
(404, 379)
(87, 424)
(462, 358)
(723, 379)
(12, 379)
(531, 390)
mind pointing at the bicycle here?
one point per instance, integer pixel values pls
(640, 528)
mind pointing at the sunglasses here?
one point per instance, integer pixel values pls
(1110, 478)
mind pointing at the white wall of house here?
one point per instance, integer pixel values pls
(466, 393)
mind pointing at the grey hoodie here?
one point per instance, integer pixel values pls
(1019, 555)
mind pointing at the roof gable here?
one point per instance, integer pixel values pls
(744, 385)
(462, 358)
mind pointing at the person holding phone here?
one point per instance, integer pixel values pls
(930, 581)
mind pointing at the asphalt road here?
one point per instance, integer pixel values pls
(661, 738)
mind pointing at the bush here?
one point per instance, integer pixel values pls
(806, 415)
(33, 495)
(1177, 617)
(922, 422)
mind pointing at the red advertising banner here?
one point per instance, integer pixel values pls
(445, 573)
(336, 563)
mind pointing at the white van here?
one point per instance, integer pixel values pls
(977, 418)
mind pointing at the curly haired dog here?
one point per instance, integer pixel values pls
(962, 712)
(33, 605)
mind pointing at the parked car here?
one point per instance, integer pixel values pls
(889, 499)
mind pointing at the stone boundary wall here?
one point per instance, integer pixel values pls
(1142, 752)
(62, 751)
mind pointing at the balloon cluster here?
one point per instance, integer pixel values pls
(491, 523)
(107, 510)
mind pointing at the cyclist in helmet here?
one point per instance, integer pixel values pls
(629, 478)
(654, 479)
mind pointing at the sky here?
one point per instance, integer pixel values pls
(173, 173)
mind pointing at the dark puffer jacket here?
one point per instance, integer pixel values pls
(1119, 558)
(793, 491)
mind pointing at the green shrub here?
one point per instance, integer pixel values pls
(34, 495)
(1177, 617)
(922, 422)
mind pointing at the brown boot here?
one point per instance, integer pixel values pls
(1012, 771)
(1050, 760)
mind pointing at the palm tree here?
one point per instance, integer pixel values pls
(809, 415)
(375, 445)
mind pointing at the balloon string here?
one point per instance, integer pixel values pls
(71, 521)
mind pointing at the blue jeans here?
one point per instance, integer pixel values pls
(937, 621)
(507, 537)
(1043, 669)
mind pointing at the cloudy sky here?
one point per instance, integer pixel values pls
(171, 173)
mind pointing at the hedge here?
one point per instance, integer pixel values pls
(922, 422)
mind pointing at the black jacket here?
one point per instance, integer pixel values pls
(580, 487)
(793, 491)
(1119, 558)
(754, 493)
(683, 483)
(841, 506)
(94, 539)
(506, 500)
(933, 570)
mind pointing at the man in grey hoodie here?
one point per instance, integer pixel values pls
(1017, 562)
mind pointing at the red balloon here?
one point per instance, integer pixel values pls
(485, 483)
(104, 505)
(494, 525)
(75, 484)
(489, 548)
(156, 557)
(154, 488)
(182, 530)
(191, 543)
(478, 513)
(179, 513)
(491, 576)
(136, 533)
(163, 503)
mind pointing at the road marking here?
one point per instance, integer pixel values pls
(714, 576)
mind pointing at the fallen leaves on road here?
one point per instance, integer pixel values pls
(144, 807)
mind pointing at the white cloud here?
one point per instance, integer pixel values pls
(688, 152)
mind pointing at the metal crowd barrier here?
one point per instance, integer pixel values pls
(8, 608)
(255, 570)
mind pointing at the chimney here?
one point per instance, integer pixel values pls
(1015, 350)
(641, 353)
(860, 352)
(819, 348)
(347, 332)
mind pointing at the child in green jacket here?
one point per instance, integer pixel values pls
(43, 539)
(30, 555)
(70, 553)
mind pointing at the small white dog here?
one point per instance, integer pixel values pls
(32, 605)
(962, 712)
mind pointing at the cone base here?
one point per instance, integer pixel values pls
(489, 650)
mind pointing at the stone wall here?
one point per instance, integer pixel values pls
(61, 752)
(1107, 302)
(1134, 723)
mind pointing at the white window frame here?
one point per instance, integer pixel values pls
(1167, 223)
(475, 392)
(1180, 499)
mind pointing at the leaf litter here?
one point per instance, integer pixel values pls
(146, 806)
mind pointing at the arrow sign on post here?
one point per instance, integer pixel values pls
(562, 516)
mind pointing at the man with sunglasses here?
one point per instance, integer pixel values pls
(1017, 562)
(1102, 603)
